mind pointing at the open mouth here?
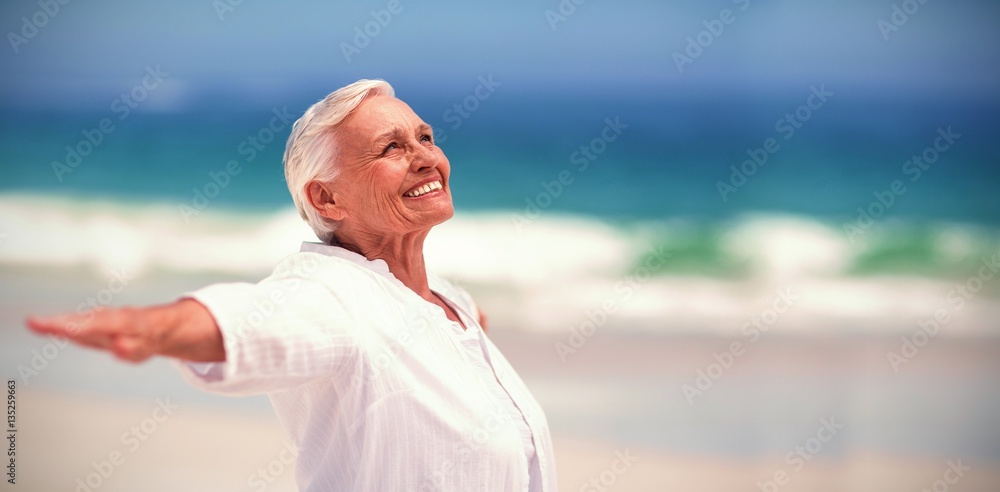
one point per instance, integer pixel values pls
(424, 189)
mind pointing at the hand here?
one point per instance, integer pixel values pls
(482, 320)
(184, 329)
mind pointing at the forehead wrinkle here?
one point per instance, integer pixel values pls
(394, 132)
(384, 122)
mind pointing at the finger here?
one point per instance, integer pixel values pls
(58, 326)
(130, 349)
(82, 324)
(99, 341)
(53, 325)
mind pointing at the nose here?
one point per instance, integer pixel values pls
(423, 159)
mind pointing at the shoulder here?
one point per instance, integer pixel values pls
(306, 264)
(321, 268)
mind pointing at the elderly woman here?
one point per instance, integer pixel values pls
(379, 371)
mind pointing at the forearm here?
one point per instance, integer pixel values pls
(186, 330)
(285, 330)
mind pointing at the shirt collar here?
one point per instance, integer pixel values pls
(377, 265)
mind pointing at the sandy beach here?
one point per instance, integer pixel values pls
(621, 417)
(64, 438)
(176, 442)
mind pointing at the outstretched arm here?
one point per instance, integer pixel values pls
(183, 329)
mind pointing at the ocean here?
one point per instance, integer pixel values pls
(573, 184)
(618, 243)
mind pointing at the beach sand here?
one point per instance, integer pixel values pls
(66, 435)
(618, 394)
(63, 436)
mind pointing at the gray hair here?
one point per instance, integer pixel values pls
(311, 151)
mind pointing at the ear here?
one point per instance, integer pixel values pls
(322, 198)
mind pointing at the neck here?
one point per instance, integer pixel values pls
(403, 254)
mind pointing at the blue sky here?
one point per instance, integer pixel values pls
(263, 50)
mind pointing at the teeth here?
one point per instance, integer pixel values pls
(427, 188)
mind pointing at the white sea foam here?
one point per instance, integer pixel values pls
(551, 276)
(106, 235)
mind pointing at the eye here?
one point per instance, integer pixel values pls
(389, 147)
(427, 138)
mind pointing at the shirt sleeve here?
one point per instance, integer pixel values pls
(282, 332)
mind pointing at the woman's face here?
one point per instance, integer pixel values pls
(393, 179)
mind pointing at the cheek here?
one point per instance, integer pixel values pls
(380, 190)
(444, 166)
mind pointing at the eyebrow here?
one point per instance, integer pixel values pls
(395, 133)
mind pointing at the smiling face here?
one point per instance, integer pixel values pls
(393, 180)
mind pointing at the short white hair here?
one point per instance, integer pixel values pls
(311, 151)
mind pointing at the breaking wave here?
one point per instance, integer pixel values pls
(672, 274)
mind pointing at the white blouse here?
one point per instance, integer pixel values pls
(376, 387)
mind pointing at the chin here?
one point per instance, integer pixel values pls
(434, 211)
(443, 215)
(442, 205)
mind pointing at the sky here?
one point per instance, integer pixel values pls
(257, 52)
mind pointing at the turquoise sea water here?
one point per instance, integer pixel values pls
(667, 162)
